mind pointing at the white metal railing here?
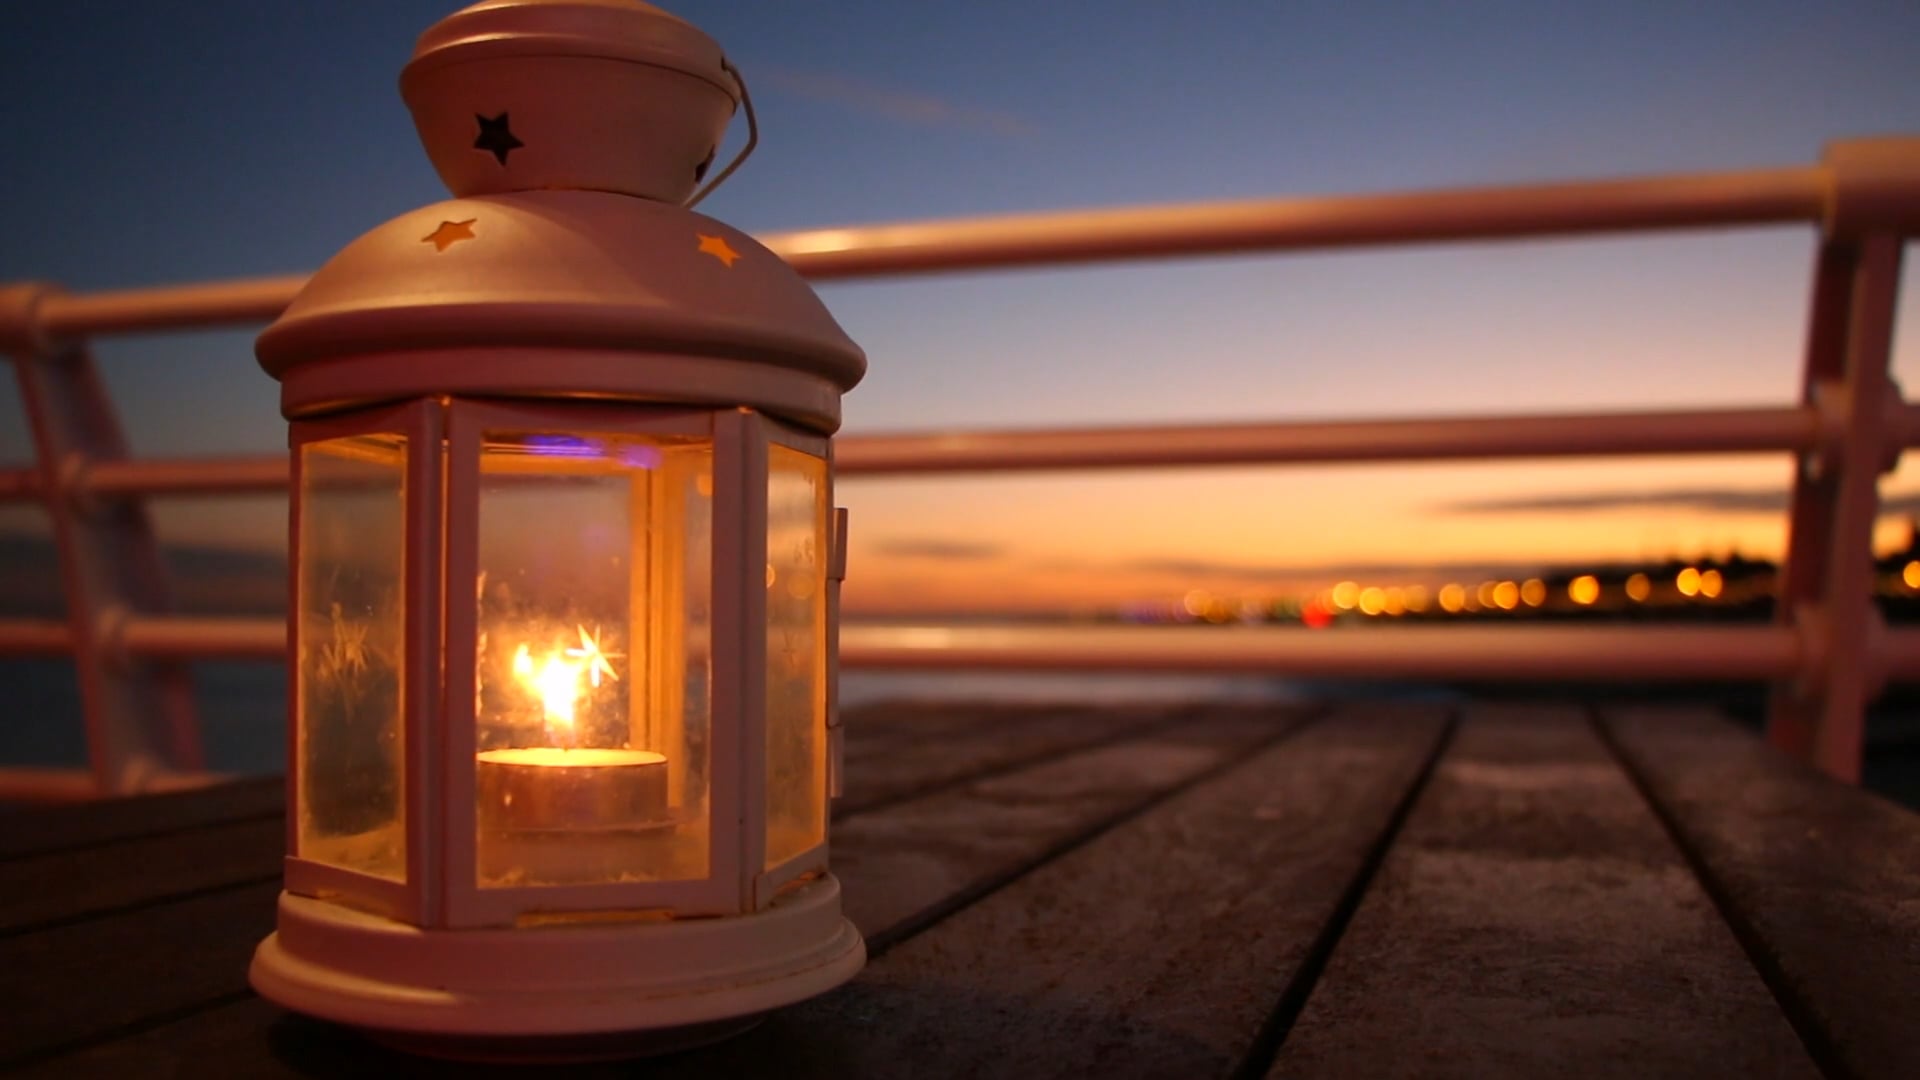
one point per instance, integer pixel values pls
(1827, 651)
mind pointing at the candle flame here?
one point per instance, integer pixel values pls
(559, 687)
(555, 679)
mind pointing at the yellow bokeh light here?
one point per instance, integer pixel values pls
(1533, 592)
(1639, 587)
(1453, 598)
(1485, 593)
(1373, 600)
(1345, 595)
(1396, 602)
(1911, 575)
(1688, 582)
(1417, 598)
(1196, 601)
(1711, 583)
(1507, 595)
(1584, 589)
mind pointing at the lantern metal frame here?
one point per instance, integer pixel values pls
(443, 440)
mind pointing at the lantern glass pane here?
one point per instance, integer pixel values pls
(796, 653)
(351, 653)
(592, 715)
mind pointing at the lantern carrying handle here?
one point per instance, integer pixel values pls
(753, 137)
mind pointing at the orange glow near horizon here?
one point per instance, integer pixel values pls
(1911, 575)
(1639, 587)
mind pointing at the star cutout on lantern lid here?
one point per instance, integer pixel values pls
(718, 247)
(449, 233)
(496, 137)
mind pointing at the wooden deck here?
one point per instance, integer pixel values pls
(1211, 890)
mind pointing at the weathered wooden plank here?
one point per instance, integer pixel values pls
(899, 866)
(1533, 919)
(916, 860)
(1157, 949)
(883, 770)
(62, 886)
(1821, 880)
(909, 719)
(39, 830)
(81, 980)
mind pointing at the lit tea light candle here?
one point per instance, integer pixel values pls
(565, 786)
(546, 787)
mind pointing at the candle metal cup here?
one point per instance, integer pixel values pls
(537, 788)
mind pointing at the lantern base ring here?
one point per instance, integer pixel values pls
(556, 992)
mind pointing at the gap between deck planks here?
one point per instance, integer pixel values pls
(1820, 880)
(903, 759)
(1534, 918)
(1021, 805)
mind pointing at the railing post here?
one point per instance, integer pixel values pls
(1826, 586)
(139, 713)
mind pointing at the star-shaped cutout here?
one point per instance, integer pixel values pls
(449, 233)
(718, 247)
(496, 137)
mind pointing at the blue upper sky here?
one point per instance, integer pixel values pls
(168, 142)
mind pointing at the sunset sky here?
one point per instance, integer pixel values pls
(160, 143)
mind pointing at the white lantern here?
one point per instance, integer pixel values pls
(565, 572)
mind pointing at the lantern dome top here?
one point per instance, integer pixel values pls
(597, 95)
(561, 294)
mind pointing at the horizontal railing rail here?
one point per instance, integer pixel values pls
(1825, 652)
(1668, 203)
(1804, 429)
